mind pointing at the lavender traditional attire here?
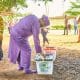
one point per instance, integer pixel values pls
(19, 34)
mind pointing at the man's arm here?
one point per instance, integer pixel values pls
(35, 30)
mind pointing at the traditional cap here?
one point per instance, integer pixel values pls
(46, 20)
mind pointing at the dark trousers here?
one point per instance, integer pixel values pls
(65, 31)
(1, 51)
(45, 38)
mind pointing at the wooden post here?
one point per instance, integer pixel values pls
(78, 36)
(78, 31)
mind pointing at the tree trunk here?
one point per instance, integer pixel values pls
(78, 31)
(78, 36)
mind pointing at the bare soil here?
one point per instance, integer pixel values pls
(66, 65)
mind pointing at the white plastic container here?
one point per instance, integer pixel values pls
(44, 67)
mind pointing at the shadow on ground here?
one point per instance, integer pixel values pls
(66, 67)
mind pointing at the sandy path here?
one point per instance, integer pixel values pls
(66, 66)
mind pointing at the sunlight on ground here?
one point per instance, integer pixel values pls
(66, 65)
(68, 41)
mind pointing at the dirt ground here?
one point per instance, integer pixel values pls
(66, 65)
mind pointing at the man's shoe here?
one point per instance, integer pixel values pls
(20, 68)
(0, 59)
(30, 71)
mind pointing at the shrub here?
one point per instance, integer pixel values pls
(58, 27)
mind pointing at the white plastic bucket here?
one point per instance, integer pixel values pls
(44, 67)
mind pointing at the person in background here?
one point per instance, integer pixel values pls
(75, 26)
(19, 48)
(66, 25)
(69, 26)
(44, 32)
(1, 36)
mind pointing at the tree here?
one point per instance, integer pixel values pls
(75, 8)
(6, 5)
(45, 3)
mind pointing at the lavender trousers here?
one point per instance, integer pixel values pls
(20, 44)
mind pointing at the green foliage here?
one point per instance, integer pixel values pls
(6, 5)
(1, 25)
(57, 27)
(46, 1)
(75, 8)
